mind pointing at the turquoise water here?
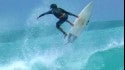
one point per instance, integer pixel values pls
(99, 47)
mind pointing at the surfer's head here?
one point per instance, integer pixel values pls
(53, 6)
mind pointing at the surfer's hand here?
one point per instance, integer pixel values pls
(37, 18)
(77, 16)
(72, 24)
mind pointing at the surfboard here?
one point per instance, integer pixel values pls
(80, 23)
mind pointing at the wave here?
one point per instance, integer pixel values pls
(39, 48)
(11, 36)
(100, 25)
(111, 59)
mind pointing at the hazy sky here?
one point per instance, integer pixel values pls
(14, 13)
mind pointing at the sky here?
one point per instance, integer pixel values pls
(15, 13)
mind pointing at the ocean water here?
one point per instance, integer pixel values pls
(42, 47)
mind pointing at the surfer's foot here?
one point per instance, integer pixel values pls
(65, 35)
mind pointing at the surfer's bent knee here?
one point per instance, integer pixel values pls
(57, 26)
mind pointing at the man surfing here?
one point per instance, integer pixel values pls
(61, 14)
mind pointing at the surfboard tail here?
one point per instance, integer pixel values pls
(71, 38)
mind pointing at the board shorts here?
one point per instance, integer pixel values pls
(62, 20)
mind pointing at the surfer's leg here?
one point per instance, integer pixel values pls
(58, 24)
(70, 22)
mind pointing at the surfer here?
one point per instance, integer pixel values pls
(61, 14)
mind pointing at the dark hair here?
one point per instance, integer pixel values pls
(53, 6)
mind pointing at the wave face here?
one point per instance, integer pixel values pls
(41, 47)
(111, 59)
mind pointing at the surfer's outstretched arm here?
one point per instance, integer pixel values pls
(49, 12)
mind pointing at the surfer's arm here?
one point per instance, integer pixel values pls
(70, 13)
(49, 12)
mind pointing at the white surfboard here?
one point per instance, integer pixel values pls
(80, 23)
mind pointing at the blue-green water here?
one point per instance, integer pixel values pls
(41, 47)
